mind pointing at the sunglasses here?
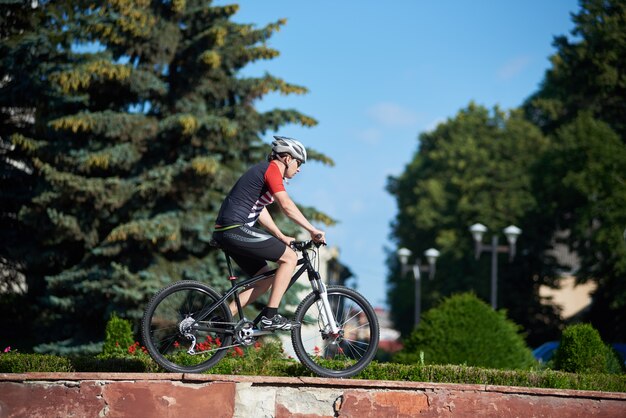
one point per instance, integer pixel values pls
(298, 162)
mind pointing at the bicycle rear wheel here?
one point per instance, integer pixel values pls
(174, 335)
(343, 354)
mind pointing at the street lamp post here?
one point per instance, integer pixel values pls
(431, 256)
(511, 232)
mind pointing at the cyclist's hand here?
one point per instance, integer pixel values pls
(318, 236)
(287, 240)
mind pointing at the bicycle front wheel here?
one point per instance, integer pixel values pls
(179, 331)
(336, 355)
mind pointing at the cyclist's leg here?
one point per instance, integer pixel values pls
(250, 247)
(286, 265)
(252, 294)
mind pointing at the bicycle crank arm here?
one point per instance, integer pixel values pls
(258, 333)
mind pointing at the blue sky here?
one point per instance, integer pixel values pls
(379, 74)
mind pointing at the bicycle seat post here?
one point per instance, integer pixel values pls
(231, 275)
(233, 278)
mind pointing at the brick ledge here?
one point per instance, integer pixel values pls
(309, 382)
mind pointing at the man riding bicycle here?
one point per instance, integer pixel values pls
(250, 247)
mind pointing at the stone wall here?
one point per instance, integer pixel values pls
(174, 395)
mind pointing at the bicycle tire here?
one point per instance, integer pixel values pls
(162, 334)
(331, 356)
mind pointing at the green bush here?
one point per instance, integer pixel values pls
(263, 359)
(465, 330)
(134, 364)
(24, 363)
(614, 362)
(118, 337)
(582, 351)
(483, 376)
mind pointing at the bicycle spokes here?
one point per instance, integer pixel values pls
(342, 353)
(175, 338)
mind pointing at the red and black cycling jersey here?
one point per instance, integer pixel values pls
(253, 191)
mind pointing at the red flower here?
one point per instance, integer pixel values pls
(176, 344)
(239, 351)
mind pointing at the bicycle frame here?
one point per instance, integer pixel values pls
(316, 284)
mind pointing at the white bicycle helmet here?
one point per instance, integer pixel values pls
(291, 146)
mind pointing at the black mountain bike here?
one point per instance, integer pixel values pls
(188, 327)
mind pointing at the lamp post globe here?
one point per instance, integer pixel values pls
(478, 230)
(512, 232)
(431, 255)
(403, 255)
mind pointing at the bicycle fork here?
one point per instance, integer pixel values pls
(323, 305)
(326, 312)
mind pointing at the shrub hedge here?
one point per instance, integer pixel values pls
(614, 362)
(22, 363)
(582, 350)
(256, 363)
(465, 330)
(477, 375)
(118, 336)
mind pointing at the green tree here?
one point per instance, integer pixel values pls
(581, 180)
(587, 72)
(145, 137)
(574, 180)
(465, 330)
(473, 168)
(28, 51)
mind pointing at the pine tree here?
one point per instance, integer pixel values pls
(157, 124)
(28, 52)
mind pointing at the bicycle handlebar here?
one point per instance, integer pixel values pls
(305, 245)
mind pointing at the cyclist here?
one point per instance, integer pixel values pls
(250, 247)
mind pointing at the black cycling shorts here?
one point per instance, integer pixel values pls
(249, 247)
